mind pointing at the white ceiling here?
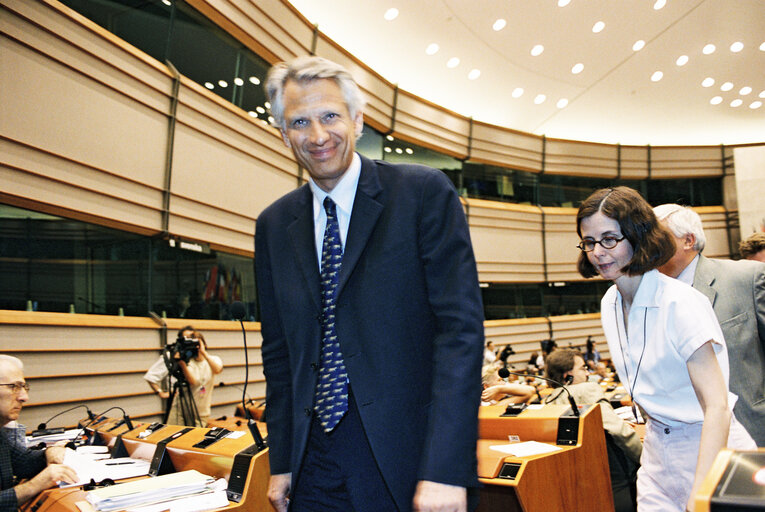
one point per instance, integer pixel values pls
(613, 100)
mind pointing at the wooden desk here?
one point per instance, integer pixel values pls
(722, 491)
(573, 478)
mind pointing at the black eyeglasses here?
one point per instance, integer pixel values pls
(607, 242)
(16, 387)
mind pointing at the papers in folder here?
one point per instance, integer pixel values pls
(150, 490)
(525, 449)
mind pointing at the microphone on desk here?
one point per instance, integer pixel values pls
(42, 427)
(238, 312)
(250, 400)
(504, 373)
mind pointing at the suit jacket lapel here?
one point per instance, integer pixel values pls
(704, 278)
(301, 233)
(366, 211)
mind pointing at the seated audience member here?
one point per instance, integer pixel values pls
(42, 468)
(591, 355)
(488, 353)
(497, 390)
(753, 248)
(567, 366)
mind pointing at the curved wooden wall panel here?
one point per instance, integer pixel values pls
(594, 160)
(696, 162)
(633, 162)
(495, 145)
(560, 244)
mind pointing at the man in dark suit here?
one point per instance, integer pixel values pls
(43, 468)
(382, 331)
(736, 290)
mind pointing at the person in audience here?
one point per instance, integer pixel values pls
(488, 353)
(43, 469)
(199, 372)
(497, 390)
(753, 248)
(568, 366)
(736, 290)
(666, 344)
(371, 315)
(591, 355)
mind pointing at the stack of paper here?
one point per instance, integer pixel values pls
(91, 466)
(150, 490)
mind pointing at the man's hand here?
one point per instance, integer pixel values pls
(436, 497)
(493, 393)
(55, 454)
(45, 479)
(279, 491)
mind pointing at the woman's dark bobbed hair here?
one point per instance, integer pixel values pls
(651, 243)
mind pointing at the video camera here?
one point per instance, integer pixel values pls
(186, 348)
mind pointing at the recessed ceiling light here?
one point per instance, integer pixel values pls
(209, 85)
(518, 92)
(737, 47)
(270, 119)
(659, 4)
(474, 73)
(389, 137)
(537, 50)
(708, 49)
(432, 49)
(639, 44)
(387, 149)
(252, 113)
(577, 68)
(267, 104)
(755, 104)
(223, 83)
(254, 80)
(657, 75)
(540, 99)
(409, 151)
(762, 47)
(453, 62)
(745, 90)
(399, 151)
(762, 94)
(562, 103)
(736, 103)
(682, 60)
(716, 100)
(391, 14)
(499, 25)
(727, 86)
(238, 81)
(260, 110)
(167, 2)
(563, 3)
(599, 26)
(708, 82)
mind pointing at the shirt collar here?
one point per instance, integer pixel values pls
(686, 276)
(646, 292)
(344, 192)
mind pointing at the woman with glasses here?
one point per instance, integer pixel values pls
(666, 345)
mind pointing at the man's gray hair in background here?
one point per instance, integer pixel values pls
(306, 69)
(682, 220)
(11, 361)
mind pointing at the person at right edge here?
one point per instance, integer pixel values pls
(736, 290)
(666, 345)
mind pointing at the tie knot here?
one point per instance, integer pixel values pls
(329, 206)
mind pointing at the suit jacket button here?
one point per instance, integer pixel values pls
(314, 366)
(307, 411)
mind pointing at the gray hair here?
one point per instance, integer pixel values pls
(306, 69)
(6, 360)
(682, 220)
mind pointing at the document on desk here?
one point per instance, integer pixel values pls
(150, 490)
(525, 449)
(117, 469)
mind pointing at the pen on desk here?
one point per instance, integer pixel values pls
(119, 463)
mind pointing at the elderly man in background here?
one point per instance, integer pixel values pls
(736, 290)
(42, 468)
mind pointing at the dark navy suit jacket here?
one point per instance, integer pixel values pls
(16, 460)
(409, 319)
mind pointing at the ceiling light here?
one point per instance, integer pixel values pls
(563, 3)
(639, 44)
(659, 4)
(499, 25)
(745, 90)
(518, 92)
(453, 62)
(736, 103)
(267, 104)
(682, 60)
(708, 49)
(657, 75)
(762, 47)
(399, 151)
(209, 85)
(737, 47)
(432, 49)
(223, 83)
(387, 149)
(562, 103)
(389, 137)
(252, 113)
(540, 99)
(537, 50)
(716, 100)
(755, 104)
(238, 81)
(167, 2)
(596, 28)
(708, 82)
(762, 94)
(270, 119)
(391, 14)
(474, 73)
(727, 86)
(409, 151)
(577, 68)
(254, 80)
(260, 110)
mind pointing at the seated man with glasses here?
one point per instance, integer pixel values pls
(42, 468)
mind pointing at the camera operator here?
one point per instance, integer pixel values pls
(190, 361)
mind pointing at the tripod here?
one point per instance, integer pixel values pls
(186, 403)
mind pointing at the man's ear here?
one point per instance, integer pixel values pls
(358, 124)
(285, 138)
(689, 240)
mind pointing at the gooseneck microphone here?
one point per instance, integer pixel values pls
(238, 312)
(42, 427)
(504, 373)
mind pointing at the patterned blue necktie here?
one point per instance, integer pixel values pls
(332, 388)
